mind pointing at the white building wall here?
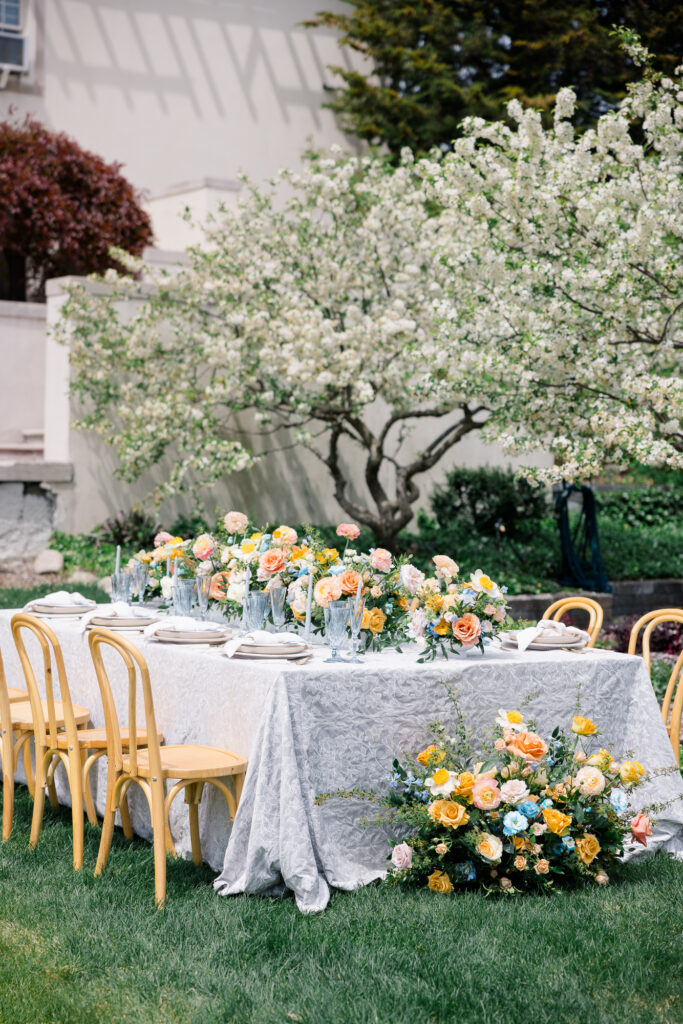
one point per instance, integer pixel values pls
(22, 372)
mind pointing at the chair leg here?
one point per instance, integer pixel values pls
(87, 791)
(7, 784)
(126, 823)
(158, 827)
(51, 791)
(24, 742)
(107, 823)
(193, 795)
(38, 797)
(75, 773)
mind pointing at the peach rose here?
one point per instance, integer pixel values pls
(272, 561)
(641, 828)
(439, 881)
(590, 780)
(588, 848)
(448, 813)
(440, 848)
(542, 867)
(381, 560)
(348, 530)
(486, 794)
(490, 847)
(529, 746)
(349, 580)
(203, 547)
(159, 555)
(162, 538)
(327, 589)
(285, 535)
(445, 565)
(520, 863)
(219, 586)
(235, 522)
(467, 629)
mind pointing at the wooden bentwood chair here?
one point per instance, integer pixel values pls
(13, 710)
(192, 765)
(59, 736)
(559, 608)
(672, 704)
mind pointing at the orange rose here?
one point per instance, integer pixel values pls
(424, 755)
(467, 629)
(464, 785)
(448, 813)
(272, 561)
(528, 745)
(556, 821)
(219, 586)
(439, 881)
(327, 589)
(349, 580)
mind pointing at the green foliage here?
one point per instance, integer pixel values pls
(486, 498)
(17, 597)
(132, 529)
(433, 62)
(640, 552)
(642, 506)
(83, 949)
(86, 551)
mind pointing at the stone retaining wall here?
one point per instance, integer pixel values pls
(628, 597)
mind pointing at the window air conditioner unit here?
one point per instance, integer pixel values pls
(13, 52)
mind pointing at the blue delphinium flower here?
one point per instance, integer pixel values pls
(545, 803)
(514, 822)
(619, 800)
(464, 872)
(568, 843)
(336, 570)
(529, 808)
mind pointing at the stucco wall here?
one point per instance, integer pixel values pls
(22, 369)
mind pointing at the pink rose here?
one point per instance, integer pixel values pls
(402, 857)
(514, 791)
(348, 530)
(272, 561)
(203, 547)
(411, 578)
(380, 559)
(499, 614)
(489, 610)
(162, 538)
(236, 522)
(641, 828)
(285, 535)
(485, 794)
(418, 624)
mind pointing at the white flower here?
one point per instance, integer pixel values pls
(166, 587)
(483, 584)
(510, 720)
(514, 791)
(411, 578)
(447, 781)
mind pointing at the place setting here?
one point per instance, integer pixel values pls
(61, 605)
(546, 635)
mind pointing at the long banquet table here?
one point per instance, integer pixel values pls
(319, 728)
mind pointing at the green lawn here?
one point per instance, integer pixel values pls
(75, 949)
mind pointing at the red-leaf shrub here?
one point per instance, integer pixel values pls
(61, 208)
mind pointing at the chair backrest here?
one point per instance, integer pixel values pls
(135, 665)
(643, 621)
(673, 698)
(5, 713)
(45, 728)
(559, 608)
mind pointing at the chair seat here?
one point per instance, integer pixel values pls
(16, 695)
(22, 716)
(190, 761)
(96, 739)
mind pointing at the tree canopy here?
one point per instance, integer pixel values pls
(433, 62)
(62, 209)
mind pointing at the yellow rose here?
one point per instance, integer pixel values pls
(439, 881)
(631, 771)
(424, 755)
(583, 726)
(448, 813)
(603, 759)
(556, 821)
(373, 620)
(464, 785)
(587, 848)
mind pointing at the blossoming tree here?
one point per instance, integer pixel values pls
(529, 281)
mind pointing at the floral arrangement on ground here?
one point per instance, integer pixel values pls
(534, 813)
(440, 612)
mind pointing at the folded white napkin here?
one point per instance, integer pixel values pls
(63, 599)
(262, 639)
(184, 623)
(117, 610)
(548, 631)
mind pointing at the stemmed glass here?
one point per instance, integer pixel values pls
(203, 590)
(336, 621)
(140, 577)
(183, 592)
(356, 609)
(120, 586)
(278, 596)
(255, 610)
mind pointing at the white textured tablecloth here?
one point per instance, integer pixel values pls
(318, 728)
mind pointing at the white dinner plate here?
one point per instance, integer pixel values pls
(245, 656)
(200, 638)
(511, 645)
(275, 650)
(120, 622)
(52, 609)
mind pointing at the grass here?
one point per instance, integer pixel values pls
(76, 950)
(17, 597)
